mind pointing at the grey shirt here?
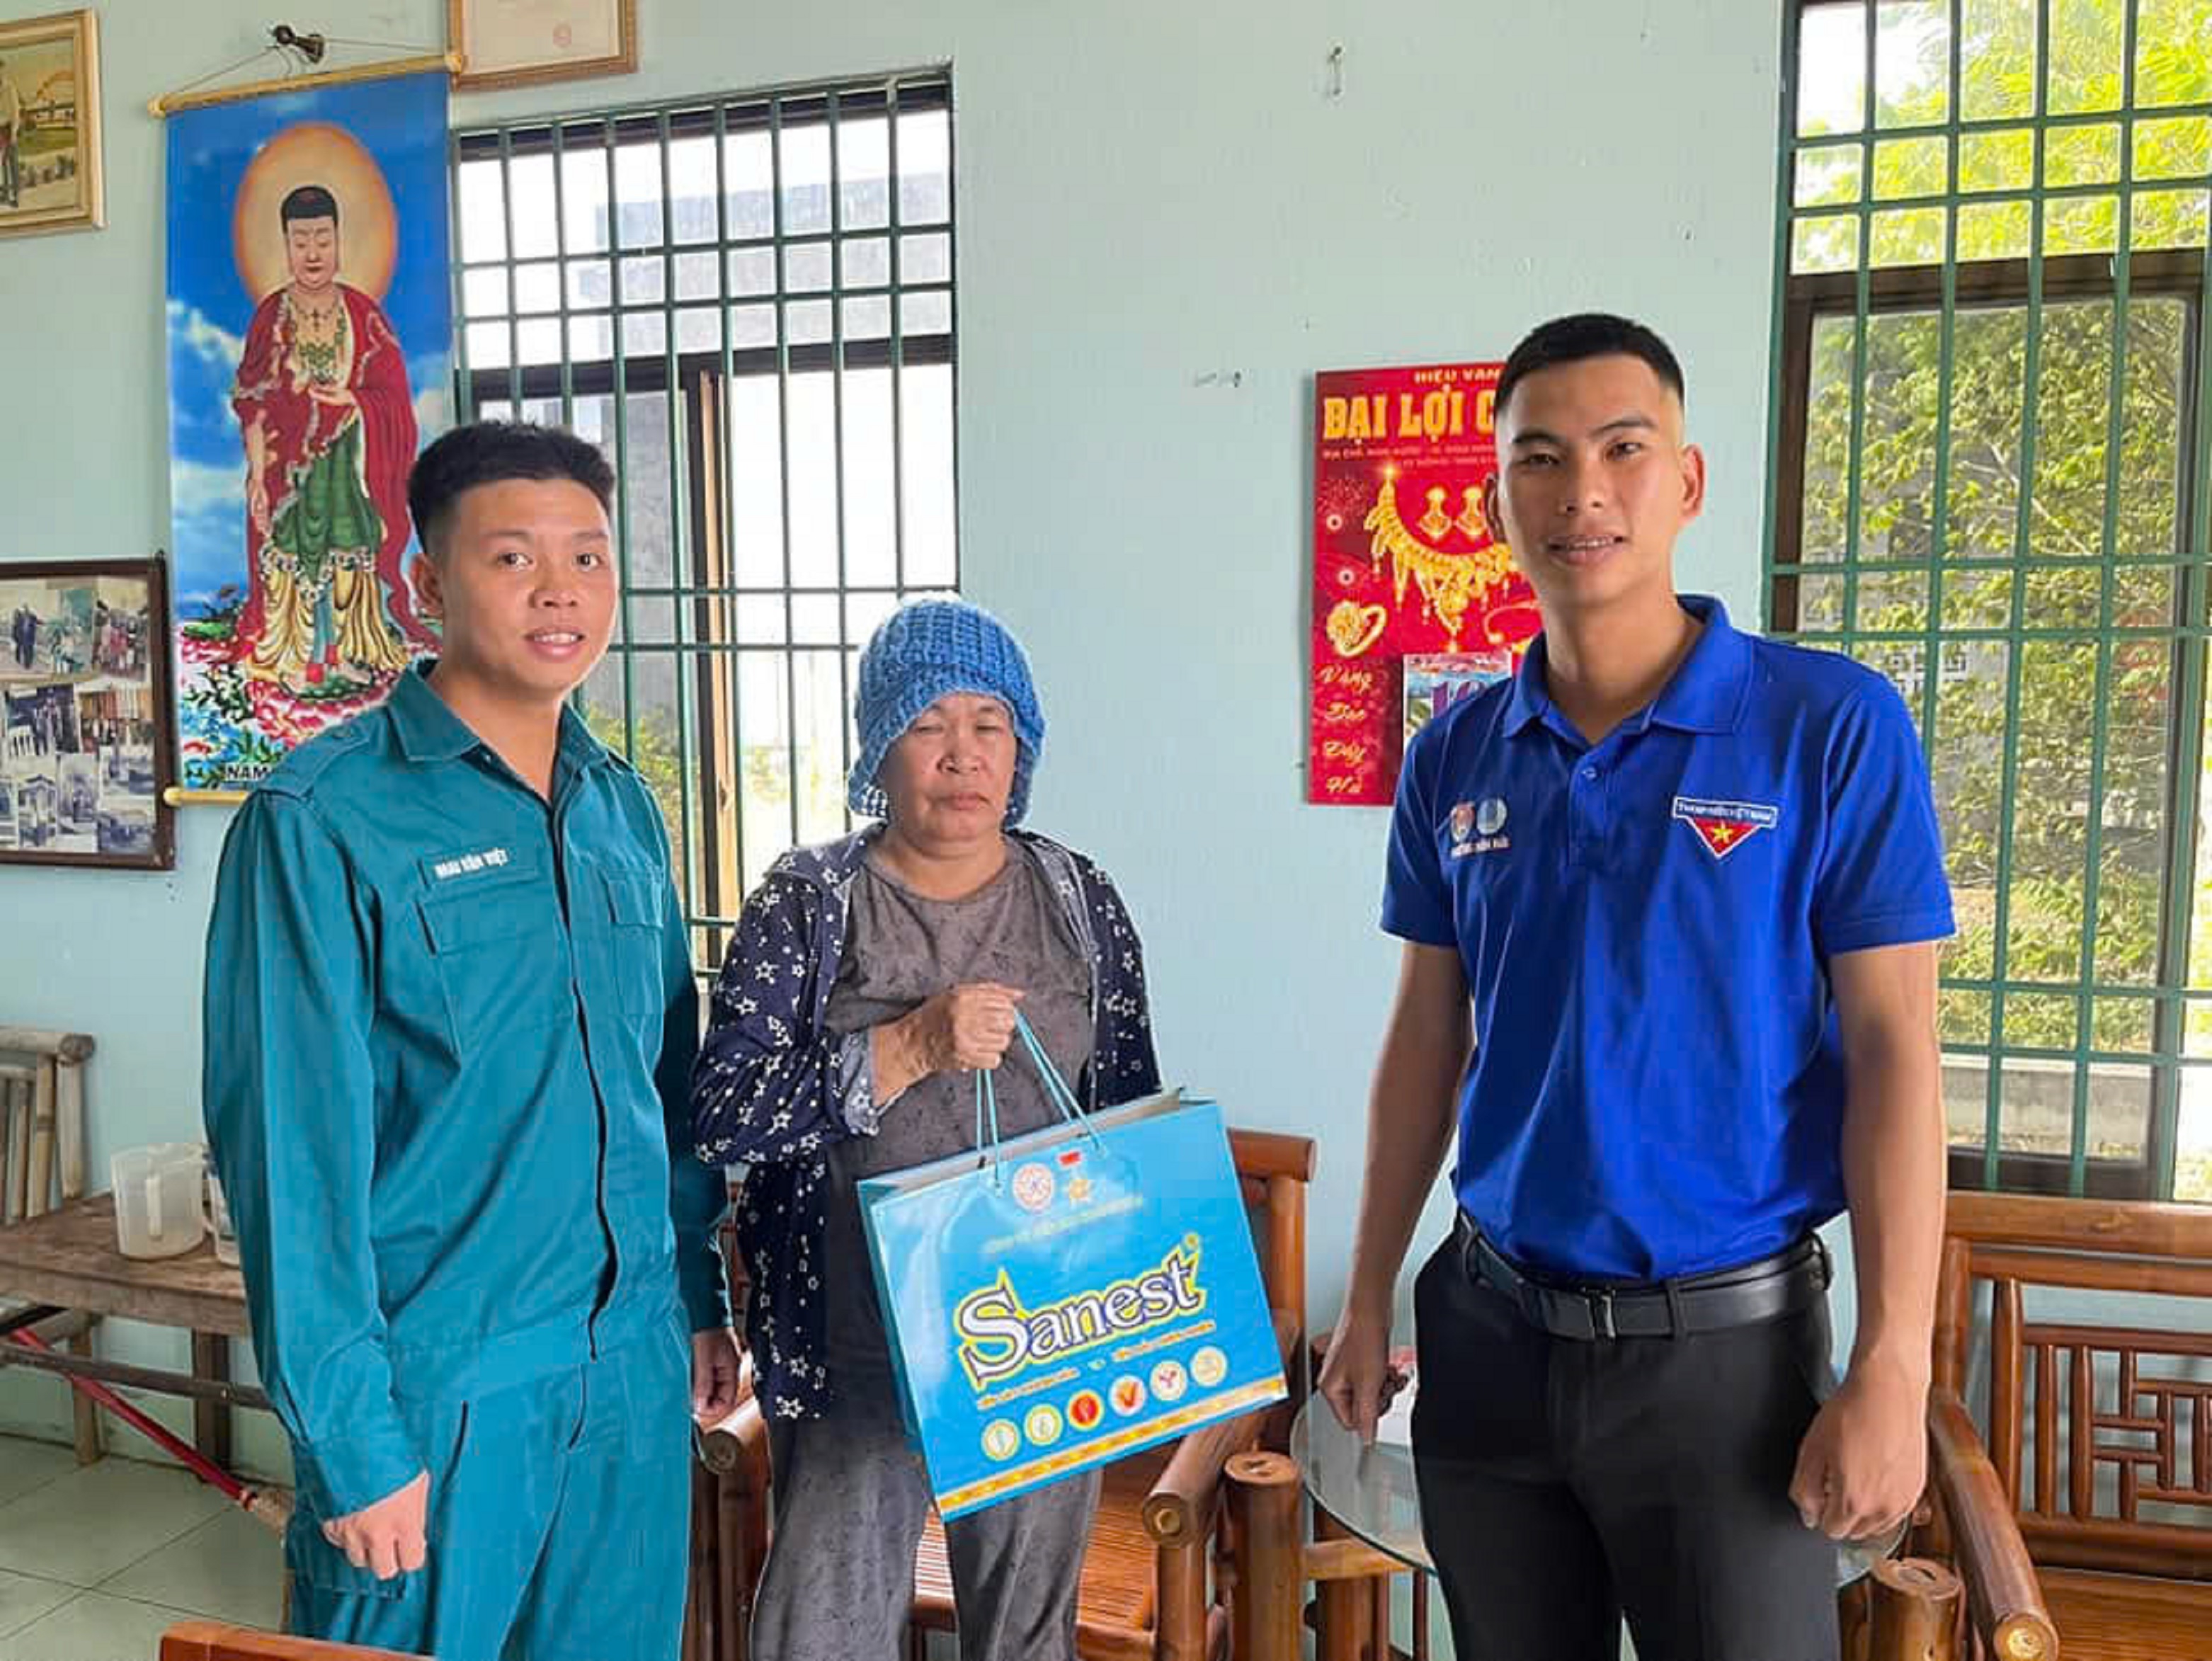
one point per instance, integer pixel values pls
(900, 949)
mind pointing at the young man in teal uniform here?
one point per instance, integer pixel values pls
(1669, 900)
(449, 1025)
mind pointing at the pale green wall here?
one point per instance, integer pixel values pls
(1165, 225)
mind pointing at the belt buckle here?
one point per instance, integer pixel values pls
(1598, 1301)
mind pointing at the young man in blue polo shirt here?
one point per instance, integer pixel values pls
(1669, 901)
(450, 1020)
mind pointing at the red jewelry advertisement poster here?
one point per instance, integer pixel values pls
(1405, 565)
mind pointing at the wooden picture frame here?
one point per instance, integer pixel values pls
(517, 43)
(87, 733)
(50, 168)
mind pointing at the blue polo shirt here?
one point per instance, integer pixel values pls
(1645, 926)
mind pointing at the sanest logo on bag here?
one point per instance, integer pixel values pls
(999, 1337)
(1138, 1284)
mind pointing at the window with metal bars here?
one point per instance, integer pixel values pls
(1993, 477)
(748, 301)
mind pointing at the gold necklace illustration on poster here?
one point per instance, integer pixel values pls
(1450, 580)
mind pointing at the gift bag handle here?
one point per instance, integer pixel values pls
(1055, 1090)
(987, 1105)
(1055, 1087)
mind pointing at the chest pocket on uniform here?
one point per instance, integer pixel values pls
(633, 900)
(496, 944)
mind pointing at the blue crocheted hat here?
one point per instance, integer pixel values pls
(921, 652)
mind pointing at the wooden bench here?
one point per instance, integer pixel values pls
(68, 1260)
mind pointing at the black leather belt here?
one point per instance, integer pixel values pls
(1763, 1291)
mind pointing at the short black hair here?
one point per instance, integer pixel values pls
(1587, 335)
(488, 451)
(308, 201)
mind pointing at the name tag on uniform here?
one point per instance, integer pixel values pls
(467, 865)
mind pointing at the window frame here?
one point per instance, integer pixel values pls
(1956, 286)
(708, 844)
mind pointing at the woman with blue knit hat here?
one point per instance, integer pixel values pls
(870, 977)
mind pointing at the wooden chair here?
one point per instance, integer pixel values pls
(2083, 1525)
(1156, 1578)
(212, 1641)
(729, 1529)
(42, 1166)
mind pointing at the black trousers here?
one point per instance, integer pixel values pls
(1564, 1483)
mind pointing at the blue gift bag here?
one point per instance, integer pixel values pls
(1062, 1298)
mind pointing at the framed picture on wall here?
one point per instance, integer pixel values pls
(50, 125)
(87, 742)
(513, 43)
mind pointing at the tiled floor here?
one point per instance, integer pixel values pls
(96, 1563)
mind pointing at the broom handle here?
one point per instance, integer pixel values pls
(202, 1467)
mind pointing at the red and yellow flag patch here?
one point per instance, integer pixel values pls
(1724, 826)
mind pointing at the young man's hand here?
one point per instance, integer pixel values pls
(1862, 1464)
(714, 1363)
(387, 1538)
(1357, 1376)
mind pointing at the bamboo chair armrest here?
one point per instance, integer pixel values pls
(2003, 1595)
(1180, 1507)
(736, 1447)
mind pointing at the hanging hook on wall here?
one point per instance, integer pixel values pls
(299, 52)
(1336, 71)
(309, 46)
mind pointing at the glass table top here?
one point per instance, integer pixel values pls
(1368, 1489)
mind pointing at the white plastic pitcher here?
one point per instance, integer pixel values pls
(219, 1224)
(158, 1208)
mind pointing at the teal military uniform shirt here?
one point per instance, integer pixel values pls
(449, 1028)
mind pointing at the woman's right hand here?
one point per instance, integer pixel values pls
(966, 1028)
(956, 1031)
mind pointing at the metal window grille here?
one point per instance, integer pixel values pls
(1992, 480)
(748, 300)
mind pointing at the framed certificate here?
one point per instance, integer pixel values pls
(513, 43)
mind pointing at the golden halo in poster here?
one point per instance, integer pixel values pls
(315, 153)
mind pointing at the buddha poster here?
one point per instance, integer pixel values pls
(310, 358)
(1405, 565)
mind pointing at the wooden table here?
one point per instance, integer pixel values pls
(67, 1259)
